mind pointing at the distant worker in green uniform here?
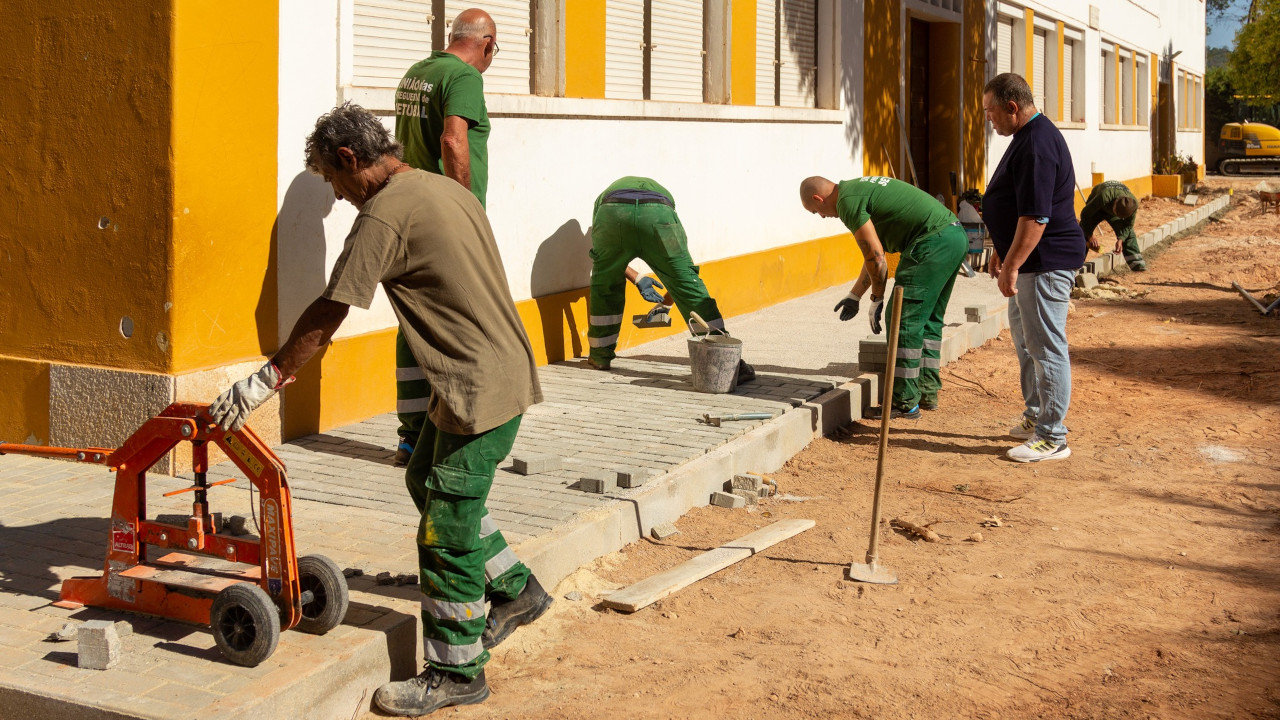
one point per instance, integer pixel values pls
(887, 215)
(443, 124)
(1113, 202)
(635, 217)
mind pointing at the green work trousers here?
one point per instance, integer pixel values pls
(926, 273)
(1129, 244)
(622, 232)
(412, 391)
(462, 555)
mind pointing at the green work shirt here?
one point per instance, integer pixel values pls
(433, 89)
(899, 211)
(632, 182)
(1098, 208)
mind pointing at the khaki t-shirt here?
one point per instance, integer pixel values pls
(428, 241)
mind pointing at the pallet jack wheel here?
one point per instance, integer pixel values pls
(245, 624)
(321, 577)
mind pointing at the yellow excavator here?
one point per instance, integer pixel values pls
(1249, 148)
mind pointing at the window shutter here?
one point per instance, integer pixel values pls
(509, 72)
(387, 37)
(766, 52)
(1068, 64)
(675, 58)
(797, 52)
(1038, 90)
(624, 49)
(1004, 46)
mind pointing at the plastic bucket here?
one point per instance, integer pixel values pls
(714, 359)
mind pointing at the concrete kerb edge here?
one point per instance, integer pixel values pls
(1175, 229)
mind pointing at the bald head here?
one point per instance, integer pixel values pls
(473, 37)
(818, 195)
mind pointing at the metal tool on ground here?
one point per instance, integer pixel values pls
(246, 590)
(872, 571)
(713, 357)
(714, 421)
(657, 317)
(1265, 310)
(653, 589)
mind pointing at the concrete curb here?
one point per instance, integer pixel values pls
(553, 556)
(1109, 263)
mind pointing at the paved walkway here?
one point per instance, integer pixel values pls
(350, 504)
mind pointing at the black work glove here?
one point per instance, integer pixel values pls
(646, 287)
(848, 307)
(877, 310)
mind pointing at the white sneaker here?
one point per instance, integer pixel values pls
(1025, 431)
(1037, 449)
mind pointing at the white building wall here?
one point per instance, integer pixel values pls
(734, 170)
(1155, 27)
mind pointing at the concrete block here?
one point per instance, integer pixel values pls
(1089, 267)
(750, 497)
(98, 645)
(873, 345)
(1104, 263)
(952, 348)
(632, 477)
(973, 335)
(1086, 280)
(975, 313)
(663, 530)
(596, 481)
(530, 464)
(865, 359)
(727, 500)
(990, 328)
(746, 481)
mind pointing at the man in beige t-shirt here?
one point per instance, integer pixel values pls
(426, 240)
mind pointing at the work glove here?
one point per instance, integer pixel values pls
(232, 408)
(848, 307)
(877, 310)
(646, 287)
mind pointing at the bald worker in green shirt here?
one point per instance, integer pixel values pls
(888, 215)
(1115, 204)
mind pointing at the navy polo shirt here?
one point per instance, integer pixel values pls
(1036, 178)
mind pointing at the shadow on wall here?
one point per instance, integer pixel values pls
(853, 126)
(297, 256)
(561, 272)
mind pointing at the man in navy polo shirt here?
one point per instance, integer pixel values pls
(1029, 210)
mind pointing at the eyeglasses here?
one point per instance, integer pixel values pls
(495, 43)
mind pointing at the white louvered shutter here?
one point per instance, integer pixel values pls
(509, 72)
(1004, 46)
(388, 36)
(1037, 71)
(675, 58)
(797, 52)
(1068, 64)
(624, 49)
(766, 52)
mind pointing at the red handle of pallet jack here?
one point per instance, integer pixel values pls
(97, 456)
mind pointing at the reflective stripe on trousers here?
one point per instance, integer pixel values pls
(456, 611)
(442, 652)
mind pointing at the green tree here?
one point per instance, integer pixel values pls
(1254, 70)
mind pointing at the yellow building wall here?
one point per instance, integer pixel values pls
(225, 93)
(742, 45)
(882, 82)
(85, 193)
(974, 78)
(584, 48)
(24, 401)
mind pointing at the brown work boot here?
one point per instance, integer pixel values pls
(430, 691)
(505, 617)
(404, 451)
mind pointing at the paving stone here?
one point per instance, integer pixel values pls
(663, 530)
(98, 645)
(746, 481)
(727, 500)
(1086, 281)
(632, 477)
(750, 497)
(597, 481)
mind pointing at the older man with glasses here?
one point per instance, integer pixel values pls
(442, 122)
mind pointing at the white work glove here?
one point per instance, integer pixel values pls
(877, 311)
(232, 408)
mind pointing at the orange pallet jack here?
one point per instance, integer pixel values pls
(247, 591)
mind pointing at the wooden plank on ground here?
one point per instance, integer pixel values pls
(651, 590)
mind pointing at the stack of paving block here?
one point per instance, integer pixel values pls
(744, 489)
(982, 323)
(872, 352)
(991, 318)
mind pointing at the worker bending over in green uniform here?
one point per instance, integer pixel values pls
(888, 215)
(1113, 202)
(635, 217)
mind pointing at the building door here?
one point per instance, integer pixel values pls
(918, 104)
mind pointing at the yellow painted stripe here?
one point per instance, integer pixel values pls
(742, 57)
(24, 403)
(223, 278)
(1029, 28)
(975, 121)
(584, 57)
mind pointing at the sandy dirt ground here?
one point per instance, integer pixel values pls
(1139, 578)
